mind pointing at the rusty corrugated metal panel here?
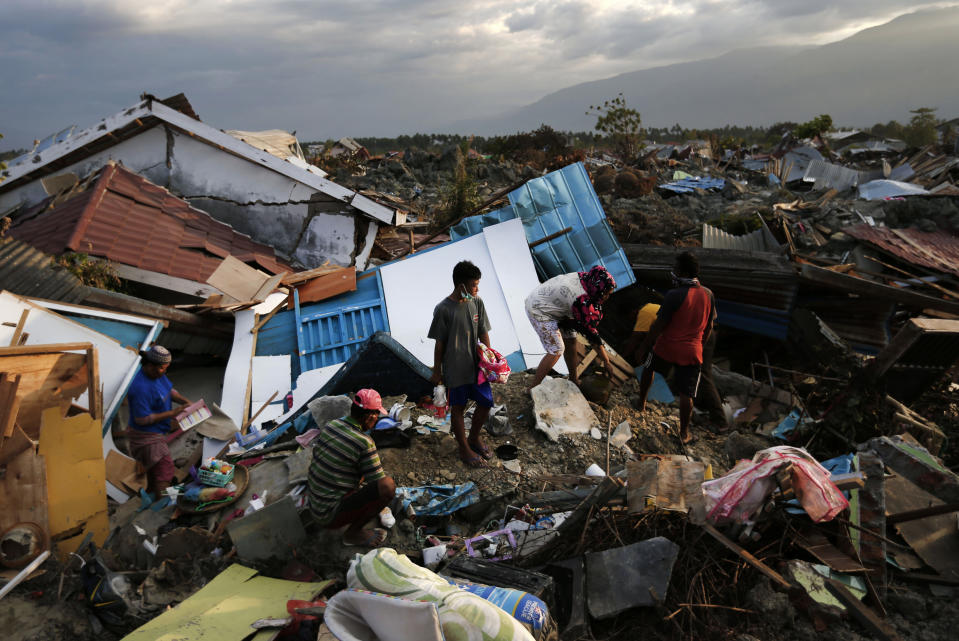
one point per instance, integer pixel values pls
(27, 271)
(127, 219)
(938, 251)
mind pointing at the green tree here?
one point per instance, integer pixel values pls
(621, 126)
(815, 127)
(921, 130)
(462, 195)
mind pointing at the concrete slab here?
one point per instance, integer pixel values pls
(623, 578)
(267, 533)
(561, 408)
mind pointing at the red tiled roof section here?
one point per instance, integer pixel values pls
(938, 251)
(127, 219)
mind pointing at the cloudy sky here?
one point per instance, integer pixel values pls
(376, 67)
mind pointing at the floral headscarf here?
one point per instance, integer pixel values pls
(587, 311)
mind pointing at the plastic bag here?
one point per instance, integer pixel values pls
(737, 495)
(492, 366)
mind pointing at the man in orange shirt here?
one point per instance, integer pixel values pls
(675, 340)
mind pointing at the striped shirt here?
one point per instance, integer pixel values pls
(343, 457)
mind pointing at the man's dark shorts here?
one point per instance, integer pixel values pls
(482, 394)
(685, 377)
(363, 502)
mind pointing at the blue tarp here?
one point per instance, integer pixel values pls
(550, 204)
(659, 391)
(687, 185)
(435, 500)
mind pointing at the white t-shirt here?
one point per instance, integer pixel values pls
(553, 300)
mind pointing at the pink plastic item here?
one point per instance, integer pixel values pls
(492, 366)
(737, 496)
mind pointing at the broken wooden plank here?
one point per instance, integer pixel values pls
(819, 546)
(776, 577)
(9, 403)
(327, 286)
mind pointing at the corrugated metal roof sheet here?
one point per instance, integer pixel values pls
(688, 185)
(550, 204)
(127, 219)
(827, 175)
(26, 271)
(938, 251)
(882, 189)
(760, 240)
(755, 291)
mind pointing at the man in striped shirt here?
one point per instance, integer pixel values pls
(347, 484)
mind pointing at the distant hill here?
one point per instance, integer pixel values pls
(876, 75)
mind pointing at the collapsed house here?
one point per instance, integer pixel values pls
(291, 206)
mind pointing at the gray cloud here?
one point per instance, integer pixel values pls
(379, 67)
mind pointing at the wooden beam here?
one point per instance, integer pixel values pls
(9, 403)
(18, 332)
(552, 236)
(852, 284)
(54, 348)
(746, 556)
(196, 324)
(247, 423)
(94, 393)
(165, 281)
(866, 617)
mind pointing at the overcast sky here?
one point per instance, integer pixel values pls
(371, 67)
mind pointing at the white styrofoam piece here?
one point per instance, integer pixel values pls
(212, 447)
(509, 250)
(269, 304)
(307, 385)
(117, 364)
(113, 491)
(270, 412)
(238, 367)
(413, 287)
(270, 374)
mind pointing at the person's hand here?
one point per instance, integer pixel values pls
(436, 378)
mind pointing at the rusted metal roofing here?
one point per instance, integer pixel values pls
(26, 271)
(127, 219)
(938, 251)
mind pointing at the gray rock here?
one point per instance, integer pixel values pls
(327, 408)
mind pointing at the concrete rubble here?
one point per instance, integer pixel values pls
(300, 277)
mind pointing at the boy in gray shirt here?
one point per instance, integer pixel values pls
(459, 323)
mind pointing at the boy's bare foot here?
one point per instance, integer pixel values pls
(371, 538)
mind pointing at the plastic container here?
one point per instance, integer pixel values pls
(214, 477)
(439, 400)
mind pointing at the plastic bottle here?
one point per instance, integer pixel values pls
(439, 400)
(386, 518)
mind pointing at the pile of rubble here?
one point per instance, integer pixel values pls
(823, 499)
